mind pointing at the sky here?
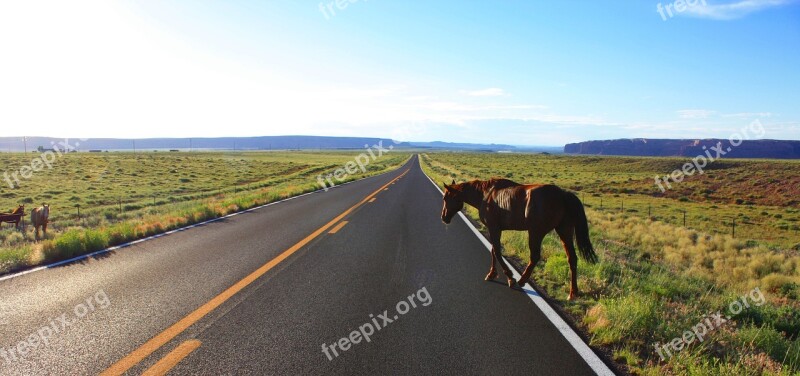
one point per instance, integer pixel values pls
(514, 72)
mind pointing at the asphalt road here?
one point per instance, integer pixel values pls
(264, 291)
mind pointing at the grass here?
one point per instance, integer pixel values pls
(658, 278)
(123, 197)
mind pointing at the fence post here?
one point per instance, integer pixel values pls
(684, 218)
(733, 231)
(648, 211)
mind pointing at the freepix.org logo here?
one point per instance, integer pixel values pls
(46, 158)
(360, 163)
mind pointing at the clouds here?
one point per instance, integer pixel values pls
(490, 92)
(156, 69)
(733, 10)
(695, 114)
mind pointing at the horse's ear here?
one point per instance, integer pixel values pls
(446, 187)
(454, 182)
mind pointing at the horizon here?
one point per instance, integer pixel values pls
(458, 72)
(519, 146)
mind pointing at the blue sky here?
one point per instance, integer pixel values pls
(518, 72)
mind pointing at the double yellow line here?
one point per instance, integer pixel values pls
(149, 347)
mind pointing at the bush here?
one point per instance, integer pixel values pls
(785, 319)
(65, 246)
(632, 318)
(766, 339)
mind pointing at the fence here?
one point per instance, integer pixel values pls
(674, 216)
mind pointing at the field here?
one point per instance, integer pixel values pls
(105, 199)
(660, 276)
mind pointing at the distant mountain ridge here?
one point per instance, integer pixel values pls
(238, 143)
(215, 143)
(773, 149)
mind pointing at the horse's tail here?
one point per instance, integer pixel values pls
(575, 208)
(34, 213)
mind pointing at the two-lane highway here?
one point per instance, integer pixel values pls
(266, 292)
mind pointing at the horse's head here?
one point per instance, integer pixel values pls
(453, 202)
(46, 210)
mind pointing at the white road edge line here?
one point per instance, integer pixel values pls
(114, 248)
(594, 362)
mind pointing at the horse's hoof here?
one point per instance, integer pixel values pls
(512, 282)
(521, 282)
(572, 296)
(490, 277)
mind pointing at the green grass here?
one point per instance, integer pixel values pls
(123, 197)
(656, 277)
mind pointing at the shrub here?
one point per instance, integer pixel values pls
(632, 318)
(766, 339)
(65, 246)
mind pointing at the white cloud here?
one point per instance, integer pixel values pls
(732, 10)
(748, 115)
(490, 92)
(695, 114)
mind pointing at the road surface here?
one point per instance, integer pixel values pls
(291, 288)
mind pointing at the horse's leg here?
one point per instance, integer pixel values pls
(535, 244)
(567, 234)
(492, 272)
(498, 255)
(44, 230)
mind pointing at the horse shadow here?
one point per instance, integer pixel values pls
(528, 291)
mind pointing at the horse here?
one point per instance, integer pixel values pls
(14, 217)
(40, 218)
(536, 208)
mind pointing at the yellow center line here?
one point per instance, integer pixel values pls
(338, 227)
(372, 199)
(126, 363)
(173, 358)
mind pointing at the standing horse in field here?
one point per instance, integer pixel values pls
(537, 208)
(14, 217)
(40, 218)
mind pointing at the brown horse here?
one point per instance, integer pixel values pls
(40, 218)
(14, 217)
(537, 208)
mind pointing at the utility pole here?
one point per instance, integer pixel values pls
(190, 145)
(134, 147)
(25, 142)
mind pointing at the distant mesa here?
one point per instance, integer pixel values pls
(644, 147)
(15, 144)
